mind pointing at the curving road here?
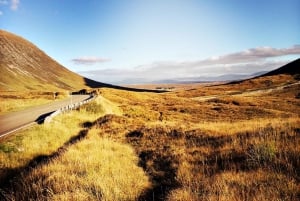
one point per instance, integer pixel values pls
(16, 120)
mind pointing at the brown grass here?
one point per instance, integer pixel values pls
(148, 146)
(14, 101)
(24, 67)
(94, 169)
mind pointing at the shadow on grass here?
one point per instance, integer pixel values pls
(11, 176)
(95, 84)
(163, 176)
(161, 167)
(41, 118)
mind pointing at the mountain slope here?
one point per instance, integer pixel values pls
(23, 66)
(286, 74)
(292, 68)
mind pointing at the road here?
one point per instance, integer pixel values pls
(16, 120)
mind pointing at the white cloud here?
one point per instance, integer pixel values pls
(253, 55)
(245, 62)
(88, 60)
(1, 13)
(249, 55)
(14, 4)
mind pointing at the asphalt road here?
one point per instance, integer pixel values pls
(17, 120)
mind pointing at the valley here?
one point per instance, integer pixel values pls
(164, 146)
(237, 140)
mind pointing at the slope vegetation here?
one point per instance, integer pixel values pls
(170, 146)
(23, 66)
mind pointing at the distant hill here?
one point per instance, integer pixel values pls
(292, 68)
(23, 66)
(287, 73)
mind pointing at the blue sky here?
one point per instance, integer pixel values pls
(144, 40)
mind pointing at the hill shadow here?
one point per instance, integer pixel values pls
(95, 84)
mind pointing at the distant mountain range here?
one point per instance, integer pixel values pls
(292, 68)
(23, 66)
(200, 79)
(226, 77)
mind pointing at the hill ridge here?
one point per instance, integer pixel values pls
(26, 67)
(23, 66)
(290, 69)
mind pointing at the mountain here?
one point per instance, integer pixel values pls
(292, 68)
(287, 73)
(23, 66)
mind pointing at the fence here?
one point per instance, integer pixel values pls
(73, 106)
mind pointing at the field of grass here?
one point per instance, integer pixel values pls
(170, 146)
(14, 101)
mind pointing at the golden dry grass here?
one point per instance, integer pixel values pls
(94, 169)
(147, 146)
(14, 101)
(226, 148)
(66, 160)
(24, 67)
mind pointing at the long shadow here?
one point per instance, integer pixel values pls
(95, 84)
(233, 160)
(206, 140)
(13, 175)
(218, 162)
(161, 170)
(290, 69)
(41, 118)
(163, 176)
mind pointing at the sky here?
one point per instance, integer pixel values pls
(135, 41)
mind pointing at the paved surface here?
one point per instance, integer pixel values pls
(17, 120)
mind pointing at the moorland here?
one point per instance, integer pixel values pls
(234, 141)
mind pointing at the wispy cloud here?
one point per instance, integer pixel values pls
(89, 60)
(6, 3)
(249, 55)
(245, 62)
(14, 4)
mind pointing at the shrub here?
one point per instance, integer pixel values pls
(7, 148)
(261, 154)
(93, 108)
